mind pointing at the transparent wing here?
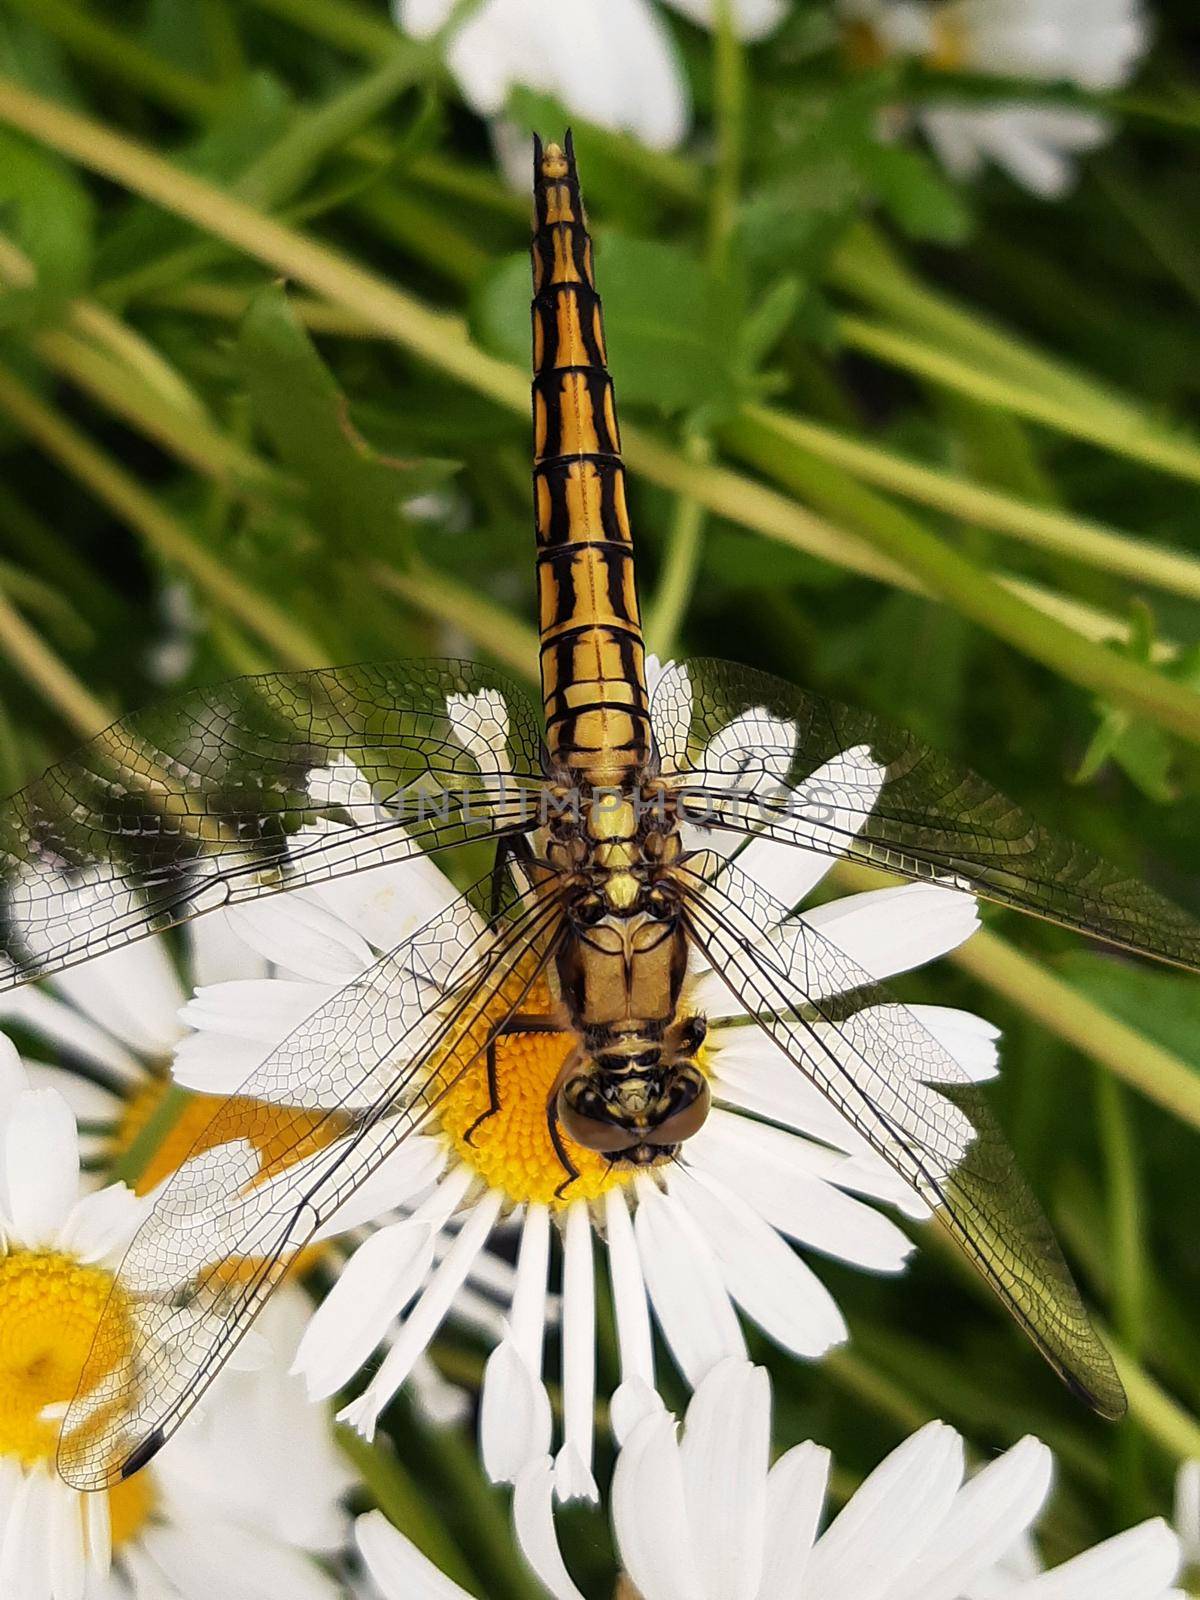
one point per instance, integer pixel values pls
(908, 1098)
(228, 793)
(757, 754)
(375, 1059)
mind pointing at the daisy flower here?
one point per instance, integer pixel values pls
(615, 64)
(690, 1244)
(252, 1484)
(1095, 44)
(707, 1516)
(103, 1034)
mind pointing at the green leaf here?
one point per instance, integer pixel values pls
(669, 327)
(47, 211)
(356, 494)
(921, 200)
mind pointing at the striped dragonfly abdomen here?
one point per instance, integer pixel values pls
(592, 652)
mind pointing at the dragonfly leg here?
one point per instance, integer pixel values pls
(507, 850)
(560, 1149)
(493, 1104)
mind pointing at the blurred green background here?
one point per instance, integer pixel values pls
(922, 447)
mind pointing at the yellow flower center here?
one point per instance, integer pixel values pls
(950, 41)
(50, 1305)
(281, 1135)
(511, 1149)
(863, 46)
(866, 48)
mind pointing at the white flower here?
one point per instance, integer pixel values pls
(706, 1516)
(102, 1034)
(1096, 44)
(250, 1485)
(1187, 1510)
(614, 64)
(693, 1242)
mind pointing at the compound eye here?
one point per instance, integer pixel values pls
(583, 1113)
(688, 1107)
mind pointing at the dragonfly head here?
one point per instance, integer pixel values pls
(636, 1108)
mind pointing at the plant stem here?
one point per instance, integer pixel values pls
(169, 538)
(1136, 437)
(402, 1503)
(729, 107)
(1163, 1418)
(1077, 537)
(122, 57)
(130, 1165)
(971, 591)
(1128, 1244)
(42, 669)
(1121, 1050)
(866, 265)
(349, 27)
(678, 576)
(503, 636)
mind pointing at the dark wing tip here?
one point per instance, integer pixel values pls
(143, 1454)
(1107, 1399)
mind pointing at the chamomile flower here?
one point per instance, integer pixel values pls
(693, 1244)
(102, 1034)
(614, 64)
(707, 1516)
(250, 1485)
(1095, 44)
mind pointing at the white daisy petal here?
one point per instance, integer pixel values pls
(515, 1421)
(425, 1317)
(573, 1468)
(725, 1455)
(99, 1226)
(398, 1567)
(1139, 1564)
(202, 1563)
(64, 1543)
(263, 1009)
(89, 1101)
(685, 1284)
(890, 1521)
(769, 1281)
(987, 1518)
(296, 932)
(887, 931)
(134, 994)
(753, 19)
(371, 1291)
(60, 1025)
(41, 1166)
(1187, 1510)
(533, 1520)
(634, 1338)
(768, 1169)
(796, 1486)
(650, 1516)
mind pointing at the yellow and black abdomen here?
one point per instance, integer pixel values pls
(592, 653)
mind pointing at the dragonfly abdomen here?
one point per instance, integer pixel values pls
(592, 652)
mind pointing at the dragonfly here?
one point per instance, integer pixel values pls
(616, 817)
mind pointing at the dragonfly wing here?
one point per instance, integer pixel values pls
(842, 781)
(223, 1230)
(228, 793)
(903, 1093)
